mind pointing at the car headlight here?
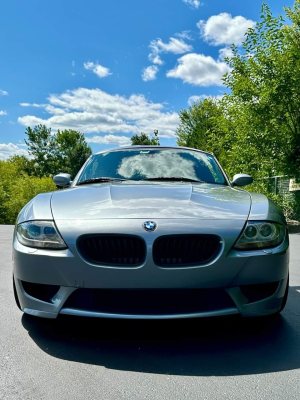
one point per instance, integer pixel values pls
(260, 235)
(40, 234)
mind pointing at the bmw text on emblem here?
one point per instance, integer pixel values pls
(150, 226)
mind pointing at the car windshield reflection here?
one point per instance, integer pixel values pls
(153, 164)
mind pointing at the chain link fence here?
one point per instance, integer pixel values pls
(279, 185)
(287, 194)
(283, 185)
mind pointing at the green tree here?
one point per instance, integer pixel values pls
(65, 151)
(144, 140)
(264, 83)
(42, 147)
(23, 164)
(72, 151)
(204, 126)
(258, 129)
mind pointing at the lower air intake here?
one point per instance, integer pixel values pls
(149, 301)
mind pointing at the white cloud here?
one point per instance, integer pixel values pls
(193, 3)
(10, 149)
(149, 73)
(225, 52)
(167, 164)
(30, 105)
(3, 112)
(95, 111)
(223, 29)
(73, 63)
(193, 99)
(184, 35)
(202, 97)
(176, 46)
(155, 59)
(110, 139)
(48, 107)
(3, 93)
(199, 70)
(98, 69)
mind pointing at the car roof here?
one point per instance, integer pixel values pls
(153, 147)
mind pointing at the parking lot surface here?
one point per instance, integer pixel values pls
(227, 358)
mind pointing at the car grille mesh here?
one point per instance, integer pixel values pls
(117, 250)
(185, 250)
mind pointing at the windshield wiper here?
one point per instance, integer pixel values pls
(99, 180)
(172, 178)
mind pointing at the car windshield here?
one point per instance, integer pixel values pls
(149, 163)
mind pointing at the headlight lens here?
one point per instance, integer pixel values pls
(40, 234)
(261, 235)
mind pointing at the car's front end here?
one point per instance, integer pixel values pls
(139, 249)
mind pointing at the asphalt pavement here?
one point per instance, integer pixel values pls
(78, 358)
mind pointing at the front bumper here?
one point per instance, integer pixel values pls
(230, 271)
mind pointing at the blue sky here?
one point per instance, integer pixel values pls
(111, 69)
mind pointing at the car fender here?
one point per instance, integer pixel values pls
(39, 208)
(263, 209)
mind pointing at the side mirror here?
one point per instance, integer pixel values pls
(242, 180)
(62, 180)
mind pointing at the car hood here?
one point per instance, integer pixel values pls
(151, 200)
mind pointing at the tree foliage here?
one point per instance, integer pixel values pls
(23, 164)
(204, 126)
(255, 128)
(65, 151)
(17, 188)
(73, 151)
(144, 140)
(22, 178)
(264, 84)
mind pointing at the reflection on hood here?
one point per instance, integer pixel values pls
(151, 200)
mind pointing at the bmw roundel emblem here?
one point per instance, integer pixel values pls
(150, 226)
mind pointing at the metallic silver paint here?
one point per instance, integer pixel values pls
(151, 201)
(177, 208)
(263, 209)
(241, 180)
(38, 208)
(204, 314)
(41, 314)
(64, 267)
(262, 307)
(62, 180)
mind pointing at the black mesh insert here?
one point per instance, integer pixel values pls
(117, 250)
(149, 301)
(185, 250)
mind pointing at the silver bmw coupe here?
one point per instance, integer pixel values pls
(151, 232)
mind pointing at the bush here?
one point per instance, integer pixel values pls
(17, 188)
